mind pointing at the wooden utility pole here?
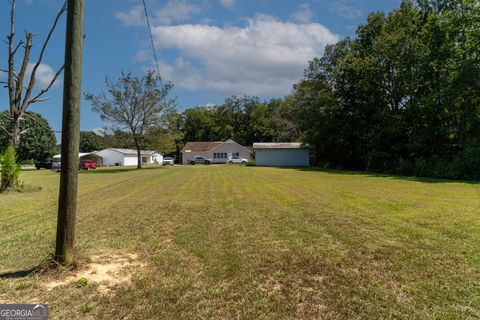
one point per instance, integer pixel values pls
(67, 202)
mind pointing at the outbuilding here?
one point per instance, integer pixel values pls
(119, 157)
(84, 156)
(284, 154)
(128, 157)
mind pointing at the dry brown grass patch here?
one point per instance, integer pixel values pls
(107, 270)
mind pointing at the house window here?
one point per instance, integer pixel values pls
(214, 156)
(144, 159)
(236, 154)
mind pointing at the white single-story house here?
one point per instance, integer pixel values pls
(285, 154)
(218, 151)
(119, 157)
(127, 157)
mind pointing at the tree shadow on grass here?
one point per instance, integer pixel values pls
(21, 273)
(110, 170)
(382, 175)
(44, 267)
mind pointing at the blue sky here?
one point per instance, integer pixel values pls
(209, 49)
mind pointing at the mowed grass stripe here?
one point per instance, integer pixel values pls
(225, 242)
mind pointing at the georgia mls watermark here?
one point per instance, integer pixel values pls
(23, 312)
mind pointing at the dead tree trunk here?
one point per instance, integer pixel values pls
(15, 130)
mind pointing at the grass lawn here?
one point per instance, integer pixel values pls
(231, 242)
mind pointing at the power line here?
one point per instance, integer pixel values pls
(153, 48)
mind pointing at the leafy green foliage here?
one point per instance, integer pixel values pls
(10, 170)
(133, 104)
(243, 119)
(37, 140)
(117, 139)
(90, 141)
(402, 96)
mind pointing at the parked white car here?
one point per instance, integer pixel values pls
(168, 161)
(235, 159)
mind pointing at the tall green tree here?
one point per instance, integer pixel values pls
(169, 137)
(37, 140)
(401, 96)
(134, 104)
(90, 141)
(243, 119)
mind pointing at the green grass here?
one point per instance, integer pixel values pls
(224, 242)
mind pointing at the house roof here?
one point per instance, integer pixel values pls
(134, 151)
(200, 146)
(208, 146)
(279, 145)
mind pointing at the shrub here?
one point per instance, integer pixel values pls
(10, 170)
(466, 165)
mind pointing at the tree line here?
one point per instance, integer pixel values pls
(401, 96)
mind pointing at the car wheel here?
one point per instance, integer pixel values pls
(230, 162)
(244, 163)
(207, 162)
(192, 162)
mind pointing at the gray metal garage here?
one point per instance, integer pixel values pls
(284, 154)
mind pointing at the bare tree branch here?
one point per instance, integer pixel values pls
(31, 84)
(43, 125)
(18, 46)
(6, 131)
(44, 90)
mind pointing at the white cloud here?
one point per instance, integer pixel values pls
(304, 13)
(173, 11)
(346, 9)
(265, 57)
(43, 76)
(143, 55)
(176, 10)
(227, 3)
(133, 17)
(100, 131)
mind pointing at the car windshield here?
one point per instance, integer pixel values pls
(168, 158)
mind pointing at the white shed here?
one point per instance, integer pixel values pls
(128, 157)
(285, 154)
